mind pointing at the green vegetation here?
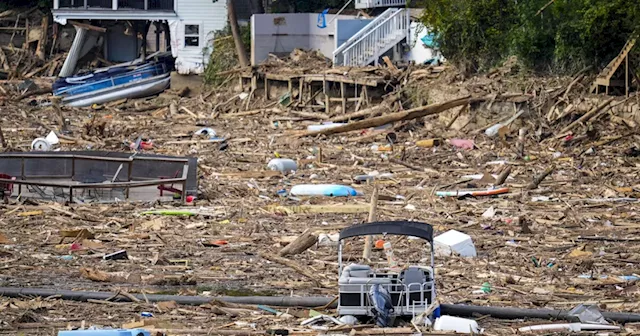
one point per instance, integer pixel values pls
(565, 36)
(223, 56)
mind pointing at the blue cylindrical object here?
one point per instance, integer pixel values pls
(334, 190)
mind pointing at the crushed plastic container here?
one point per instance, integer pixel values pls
(334, 190)
(457, 324)
(282, 165)
(324, 126)
(454, 241)
(105, 332)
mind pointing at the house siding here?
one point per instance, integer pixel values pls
(211, 17)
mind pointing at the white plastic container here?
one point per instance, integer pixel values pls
(388, 251)
(454, 241)
(320, 127)
(282, 165)
(457, 324)
(335, 190)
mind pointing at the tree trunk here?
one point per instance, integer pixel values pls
(235, 31)
(257, 7)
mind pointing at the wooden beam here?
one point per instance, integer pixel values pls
(88, 26)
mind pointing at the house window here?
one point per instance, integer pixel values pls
(191, 35)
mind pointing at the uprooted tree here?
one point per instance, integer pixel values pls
(546, 35)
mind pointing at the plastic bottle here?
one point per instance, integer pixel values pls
(282, 165)
(323, 190)
(388, 251)
(320, 127)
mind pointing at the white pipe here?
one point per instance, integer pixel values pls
(114, 4)
(575, 327)
(70, 63)
(56, 4)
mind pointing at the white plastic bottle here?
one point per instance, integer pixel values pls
(282, 165)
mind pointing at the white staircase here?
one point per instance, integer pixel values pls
(362, 4)
(376, 38)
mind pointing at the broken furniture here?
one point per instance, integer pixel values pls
(169, 187)
(412, 289)
(5, 186)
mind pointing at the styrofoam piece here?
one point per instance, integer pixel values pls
(457, 324)
(52, 138)
(454, 241)
(282, 165)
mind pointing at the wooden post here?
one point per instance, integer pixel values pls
(626, 75)
(42, 43)
(344, 100)
(266, 88)
(366, 254)
(73, 167)
(183, 197)
(2, 139)
(325, 90)
(300, 90)
(129, 171)
(26, 37)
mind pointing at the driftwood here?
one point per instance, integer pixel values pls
(522, 134)
(503, 175)
(366, 253)
(585, 117)
(538, 178)
(3, 61)
(301, 244)
(291, 264)
(418, 112)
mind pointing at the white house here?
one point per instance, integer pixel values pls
(122, 27)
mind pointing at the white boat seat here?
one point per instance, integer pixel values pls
(363, 281)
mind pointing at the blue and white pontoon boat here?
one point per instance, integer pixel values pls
(128, 80)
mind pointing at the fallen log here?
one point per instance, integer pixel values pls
(538, 178)
(301, 244)
(585, 117)
(414, 113)
(291, 264)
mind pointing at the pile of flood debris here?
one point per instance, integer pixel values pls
(537, 175)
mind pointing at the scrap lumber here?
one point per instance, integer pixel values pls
(414, 113)
(291, 264)
(3, 61)
(301, 244)
(366, 253)
(42, 43)
(585, 117)
(87, 26)
(538, 178)
(503, 175)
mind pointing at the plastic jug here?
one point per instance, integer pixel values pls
(282, 165)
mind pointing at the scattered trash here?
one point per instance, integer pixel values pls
(574, 327)
(462, 143)
(489, 213)
(456, 324)
(460, 193)
(120, 255)
(314, 128)
(146, 314)
(495, 129)
(334, 190)
(207, 132)
(428, 143)
(328, 239)
(454, 241)
(284, 166)
(391, 260)
(46, 143)
(105, 332)
(349, 320)
(589, 314)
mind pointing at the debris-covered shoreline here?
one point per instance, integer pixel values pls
(561, 235)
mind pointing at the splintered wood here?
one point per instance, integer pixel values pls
(563, 231)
